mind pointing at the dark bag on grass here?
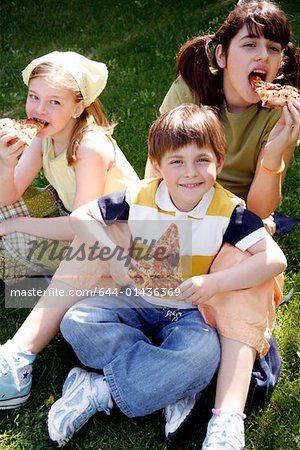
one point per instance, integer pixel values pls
(264, 377)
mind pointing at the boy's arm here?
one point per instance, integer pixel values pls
(89, 226)
(267, 261)
(89, 230)
(246, 232)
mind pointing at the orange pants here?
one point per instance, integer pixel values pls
(246, 315)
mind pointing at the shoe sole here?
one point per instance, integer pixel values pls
(14, 402)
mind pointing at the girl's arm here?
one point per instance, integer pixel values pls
(267, 261)
(265, 192)
(94, 158)
(16, 173)
(95, 154)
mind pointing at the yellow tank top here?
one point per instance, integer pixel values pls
(62, 177)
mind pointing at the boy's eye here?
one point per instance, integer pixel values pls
(176, 161)
(32, 97)
(203, 160)
(54, 102)
(249, 44)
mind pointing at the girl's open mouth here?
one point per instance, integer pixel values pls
(261, 74)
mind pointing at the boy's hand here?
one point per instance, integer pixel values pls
(119, 270)
(270, 225)
(197, 290)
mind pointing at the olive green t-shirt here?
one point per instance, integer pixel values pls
(246, 134)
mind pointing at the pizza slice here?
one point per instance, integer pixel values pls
(25, 129)
(160, 267)
(275, 96)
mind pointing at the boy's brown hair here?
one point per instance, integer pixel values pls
(186, 124)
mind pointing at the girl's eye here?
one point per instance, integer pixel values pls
(176, 161)
(203, 160)
(32, 97)
(275, 49)
(54, 102)
(249, 44)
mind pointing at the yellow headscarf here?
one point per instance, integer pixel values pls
(91, 76)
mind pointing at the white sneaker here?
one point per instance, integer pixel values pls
(225, 430)
(177, 415)
(84, 393)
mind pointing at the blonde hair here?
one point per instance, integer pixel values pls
(91, 118)
(186, 124)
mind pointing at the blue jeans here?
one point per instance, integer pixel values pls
(150, 356)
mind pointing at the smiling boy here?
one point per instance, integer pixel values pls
(157, 352)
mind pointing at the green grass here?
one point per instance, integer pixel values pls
(138, 41)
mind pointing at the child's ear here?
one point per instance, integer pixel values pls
(79, 108)
(220, 56)
(156, 168)
(219, 166)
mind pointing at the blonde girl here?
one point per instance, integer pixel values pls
(82, 162)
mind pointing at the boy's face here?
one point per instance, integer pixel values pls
(189, 173)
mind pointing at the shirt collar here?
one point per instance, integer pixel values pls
(164, 202)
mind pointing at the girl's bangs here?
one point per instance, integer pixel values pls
(270, 27)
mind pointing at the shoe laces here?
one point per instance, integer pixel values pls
(7, 363)
(226, 428)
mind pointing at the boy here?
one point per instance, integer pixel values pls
(155, 350)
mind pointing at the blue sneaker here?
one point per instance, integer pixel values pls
(15, 376)
(84, 393)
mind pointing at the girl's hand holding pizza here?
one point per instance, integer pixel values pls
(197, 290)
(287, 130)
(11, 147)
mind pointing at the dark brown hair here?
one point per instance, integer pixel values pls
(186, 124)
(196, 61)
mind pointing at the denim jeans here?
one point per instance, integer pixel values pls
(150, 356)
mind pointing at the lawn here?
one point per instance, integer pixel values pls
(138, 40)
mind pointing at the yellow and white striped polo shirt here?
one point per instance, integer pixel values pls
(219, 217)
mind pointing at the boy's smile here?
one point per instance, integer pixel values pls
(189, 173)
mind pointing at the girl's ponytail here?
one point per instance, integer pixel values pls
(198, 69)
(290, 71)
